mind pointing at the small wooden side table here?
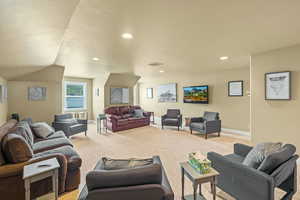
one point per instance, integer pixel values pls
(197, 179)
(100, 118)
(41, 170)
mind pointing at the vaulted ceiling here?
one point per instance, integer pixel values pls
(187, 36)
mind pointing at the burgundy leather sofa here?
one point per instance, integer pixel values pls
(121, 118)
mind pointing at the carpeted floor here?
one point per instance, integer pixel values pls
(172, 146)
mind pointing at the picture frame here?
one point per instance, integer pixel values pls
(1, 93)
(150, 93)
(278, 85)
(119, 95)
(236, 88)
(167, 93)
(37, 93)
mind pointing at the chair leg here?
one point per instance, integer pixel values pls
(191, 131)
(85, 133)
(206, 136)
(219, 133)
(178, 128)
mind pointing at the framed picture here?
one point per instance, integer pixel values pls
(278, 85)
(119, 95)
(1, 93)
(167, 92)
(235, 88)
(37, 93)
(149, 93)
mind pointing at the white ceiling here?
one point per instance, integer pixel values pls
(188, 36)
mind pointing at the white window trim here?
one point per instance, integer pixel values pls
(84, 95)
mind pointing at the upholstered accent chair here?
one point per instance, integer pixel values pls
(145, 183)
(209, 123)
(248, 183)
(172, 118)
(69, 125)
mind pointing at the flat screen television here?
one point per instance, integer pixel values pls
(196, 94)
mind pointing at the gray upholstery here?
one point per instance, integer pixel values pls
(246, 183)
(209, 123)
(172, 118)
(70, 126)
(116, 164)
(147, 183)
(50, 144)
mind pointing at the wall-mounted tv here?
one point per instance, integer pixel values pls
(196, 94)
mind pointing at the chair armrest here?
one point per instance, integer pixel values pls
(213, 123)
(82, 121)
(243, 180)
(197, 119)
(163, 117)
(242, 149)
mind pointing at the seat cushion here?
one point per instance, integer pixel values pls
(171, 121)
(114, 164)
(77, 128)
(197, 125)
(46, 145)
(235, 158)
(16, 149)
(73, 159)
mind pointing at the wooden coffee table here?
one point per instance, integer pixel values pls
(197, 179)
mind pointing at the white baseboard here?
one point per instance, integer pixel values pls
(237, 132)
(225, 130)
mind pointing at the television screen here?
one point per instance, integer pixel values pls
(196, 94)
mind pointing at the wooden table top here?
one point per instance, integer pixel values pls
(196, 175)
(40, 167)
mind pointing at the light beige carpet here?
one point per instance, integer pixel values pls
(172, 146)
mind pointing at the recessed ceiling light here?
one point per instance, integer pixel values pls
(161, 71)
(95, 59)
(127, 36)
(224, 58)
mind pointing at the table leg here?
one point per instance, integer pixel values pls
(182, 183)
(195, 186)
(106, 125)
(100, 125)
(97, 125)
(27, 189)
(200, 190)
(214, 188)
(55, 183)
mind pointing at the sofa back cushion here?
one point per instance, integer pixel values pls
(16, 149)
(23, 129)
(211, 116)
(124, 110)
(173, 113)
(149, 174)
(275, 159)
(112, 110)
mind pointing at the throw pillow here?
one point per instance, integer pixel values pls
(16, 149)
(42, 129)
(115, 164)
(257, 155)
(139, 113)
(275, 159)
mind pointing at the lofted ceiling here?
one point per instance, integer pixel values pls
(187, 36)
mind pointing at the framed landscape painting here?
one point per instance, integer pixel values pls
(278, 85)
(37, 93)
(167, 92)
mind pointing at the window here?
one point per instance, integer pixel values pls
(75, 96)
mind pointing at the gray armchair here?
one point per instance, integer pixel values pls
(243, 182)
(209, 123)
(69, 125)
(172, 118)
(142, 183)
